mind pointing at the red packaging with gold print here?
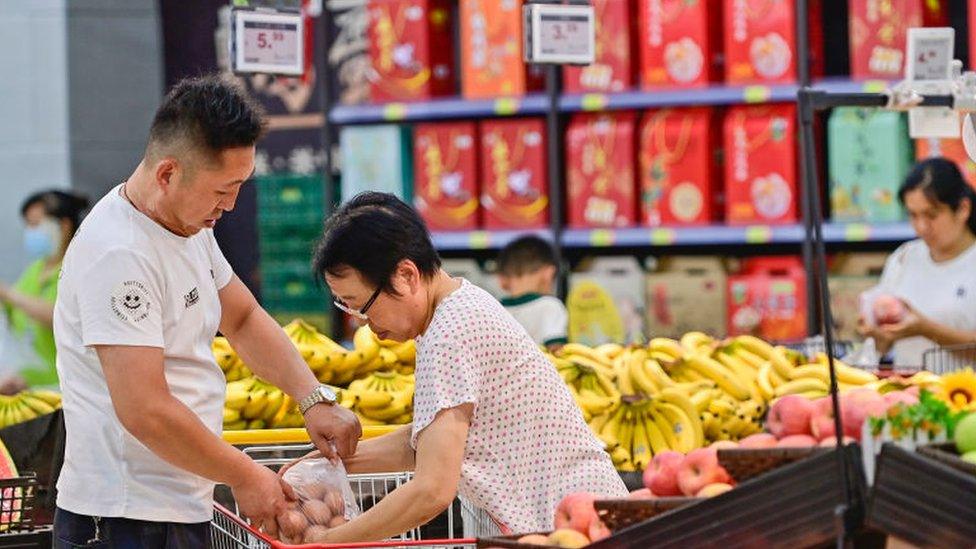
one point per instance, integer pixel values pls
(446, 175)
(879, 29)
(680, 181)
(410, 49)
(760, 41)
(600, 170)
(514, 178)
(613, 66)
(760, 165)
(680, 42)
(491, 50)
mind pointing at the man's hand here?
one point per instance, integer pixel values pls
(333, 426)
(262, 497)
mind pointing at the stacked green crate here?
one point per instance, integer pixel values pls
(869, 154)
(290, 217)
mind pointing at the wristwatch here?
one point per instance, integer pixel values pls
(322, 394)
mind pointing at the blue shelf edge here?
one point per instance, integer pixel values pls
(718, 235)
(482, 239)
(536, 104)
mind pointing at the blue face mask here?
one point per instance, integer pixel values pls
(40, 241)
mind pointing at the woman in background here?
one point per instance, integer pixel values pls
(51, 219)
(934, 276)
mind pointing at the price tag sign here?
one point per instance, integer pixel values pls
(559, 34)
(663, 237)
(601, 238)
(857, 232)
(506, 106)
(479, 240)
(756, 94)
(267, 42)
(594, 102)
(759, 234)
(394, 112)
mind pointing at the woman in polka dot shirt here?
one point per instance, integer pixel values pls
(493, 420)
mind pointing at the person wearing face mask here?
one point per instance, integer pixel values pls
(51, 219)
(933, 276)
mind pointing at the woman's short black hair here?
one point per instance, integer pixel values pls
(59, 205)
(941, 182)
(373, 233)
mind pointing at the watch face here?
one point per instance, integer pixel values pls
(327, 393)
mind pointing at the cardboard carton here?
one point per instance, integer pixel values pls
(686, 294)
(606, 301)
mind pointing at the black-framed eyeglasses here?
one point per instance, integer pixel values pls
(361, 313)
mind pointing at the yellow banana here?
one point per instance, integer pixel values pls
(655, 437)
(364, 340)
(737, 366)
(405, 352)
(679, 399)
(800, 386)
(609, 351)
(726, 380)
(653, 414)
(666, 346)
(763, 383)
(657, 374)
(374, 399)
(642, 452)
(755, 346)
(51, 397)
(256, 403)
(42, 408)
(846, 373)
(684, 428)
(781, 365)
(625, 381)
(814, 371)
(638, 371)
(238, 425)
(231, 415)
(579, 350)
(276, 399)
(694, 341)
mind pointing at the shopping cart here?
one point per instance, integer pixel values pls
(230, 531)
(17, 528)
(943, 360)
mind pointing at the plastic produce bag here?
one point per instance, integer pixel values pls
(325, 500)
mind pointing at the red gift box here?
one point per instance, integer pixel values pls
(769, 299)
(879, 29)
(491, 51)
(600, 170)
(446, 174)
(761, 165)
(514, 180)
(410, 49)
(679, 42)
(680, 179)
(760, 41)
(613, 67)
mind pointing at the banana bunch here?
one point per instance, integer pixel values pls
(589, 374)
(27, 405)
(641, 427)
(255, 404)
(381, 398)
(784, 372)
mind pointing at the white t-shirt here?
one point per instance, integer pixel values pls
(528, 445)
(128, 281)
(944, 292)
(543, 316)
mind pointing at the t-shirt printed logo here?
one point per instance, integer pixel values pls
(130, 301)
(192, 298)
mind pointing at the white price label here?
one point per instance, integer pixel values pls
(268, 42)
(559, 34)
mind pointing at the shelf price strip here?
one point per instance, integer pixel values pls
(394, 112)
(594, 102)
(663, 237)
(507, 106)
(757, 94)
(479, 240)
(857, 232)
(602, 237)
(759, 234)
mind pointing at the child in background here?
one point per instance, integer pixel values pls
(527, 271)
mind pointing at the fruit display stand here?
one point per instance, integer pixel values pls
(797, 505)
(923, 501)
(293, 435)
(618, 514)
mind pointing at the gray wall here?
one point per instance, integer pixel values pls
(115, 82)
(33, 114)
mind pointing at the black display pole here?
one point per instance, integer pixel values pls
(554, 144)
(806, 201)
(320, 64)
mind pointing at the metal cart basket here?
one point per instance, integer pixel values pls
(230, 531)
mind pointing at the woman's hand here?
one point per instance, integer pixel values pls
(314, 454)
(911, 325)
(882, 340)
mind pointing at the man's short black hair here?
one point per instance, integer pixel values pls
(373, 233)
(208, 114)
(526, 254)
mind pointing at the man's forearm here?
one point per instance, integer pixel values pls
(174, 433)
(268, 352)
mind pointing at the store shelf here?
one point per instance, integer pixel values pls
(719, 235)
(480, 240)
(438, 109)
(536, 104)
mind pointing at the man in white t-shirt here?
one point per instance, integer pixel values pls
(144, 288)
(527, 269)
